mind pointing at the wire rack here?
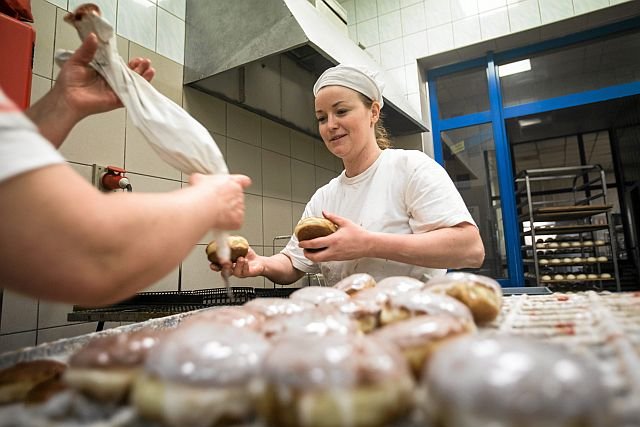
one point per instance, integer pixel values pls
(605, 326)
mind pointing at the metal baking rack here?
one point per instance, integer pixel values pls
(567, 203)
(148, 305)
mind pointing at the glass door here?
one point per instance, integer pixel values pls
(469, 157)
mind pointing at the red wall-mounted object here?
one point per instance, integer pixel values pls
(16, 57)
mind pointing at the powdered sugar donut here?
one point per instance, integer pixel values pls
(337, 381)
(201, 375)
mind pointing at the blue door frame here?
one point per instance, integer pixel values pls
(497, 114)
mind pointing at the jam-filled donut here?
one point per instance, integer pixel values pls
(355, 283)
(399, 284)
(238, 245)
(16, 381)
(320, 295)
(334, 381)
(481, 294)
(510, 381)
(365, 313)
(269, 307)
(239, 316)
(410, 304)
(313, 227)
(418, 338)
(320, 321)
(366, 306)
(201, 376)
(106, 367)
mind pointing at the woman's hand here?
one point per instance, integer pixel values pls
(226, 200)
(349, 242)
(249, 266)
(83, 90)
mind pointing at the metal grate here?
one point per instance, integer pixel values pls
(605, 326)
(148, 305)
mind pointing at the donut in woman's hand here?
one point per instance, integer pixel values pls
(313, 227)
(239, 248)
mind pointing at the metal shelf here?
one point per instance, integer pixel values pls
(588, 190)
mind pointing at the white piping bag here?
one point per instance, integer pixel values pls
(179, 139)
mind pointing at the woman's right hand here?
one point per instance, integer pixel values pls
(227, 200)
(251, 265)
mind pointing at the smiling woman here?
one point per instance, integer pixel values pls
(397, 211)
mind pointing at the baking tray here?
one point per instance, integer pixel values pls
(605, 326)
(567, 229)
(148, 305)
(565, 213)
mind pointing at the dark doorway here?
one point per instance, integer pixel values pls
(605, 133)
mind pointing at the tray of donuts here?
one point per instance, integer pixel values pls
(398, 352)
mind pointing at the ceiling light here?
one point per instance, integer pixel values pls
(529, 122)
(514, 68)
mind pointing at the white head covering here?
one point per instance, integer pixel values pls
(354, 77)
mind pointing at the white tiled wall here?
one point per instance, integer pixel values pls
(271, 154)
(397, 32)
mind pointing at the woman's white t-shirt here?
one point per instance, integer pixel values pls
(402, 192)
(22, 148)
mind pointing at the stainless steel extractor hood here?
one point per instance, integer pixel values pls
(265, 55)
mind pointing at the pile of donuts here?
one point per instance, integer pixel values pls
(360, 354)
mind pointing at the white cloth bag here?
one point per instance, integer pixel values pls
(179, 139)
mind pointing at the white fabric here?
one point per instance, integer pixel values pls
(179, 139)
(22, 148)
(402, 192)
(354, 77)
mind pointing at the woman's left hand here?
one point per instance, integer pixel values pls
(349, 242)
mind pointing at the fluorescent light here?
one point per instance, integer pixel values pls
(529, 122)
(514, 68)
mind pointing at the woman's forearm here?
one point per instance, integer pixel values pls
(453, 247)
(279, 269)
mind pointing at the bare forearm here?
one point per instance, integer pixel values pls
(53, 118)
(80, 246)
(453, 247)
(279, 269)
